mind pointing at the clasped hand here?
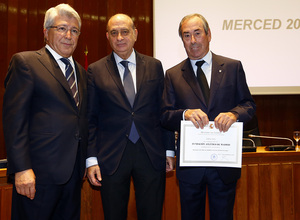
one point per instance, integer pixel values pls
(222, 122)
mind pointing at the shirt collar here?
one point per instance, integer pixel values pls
(207, 58)
(57, 56)
(131, 58)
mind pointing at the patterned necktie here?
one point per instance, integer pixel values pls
(71, 79)
(130, 93)
(202, 80)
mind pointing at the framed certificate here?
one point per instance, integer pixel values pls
(209, 147)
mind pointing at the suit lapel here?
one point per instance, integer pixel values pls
(217, 74)
(140, 72)
(51, 65)
(111, 66)
(189, 76)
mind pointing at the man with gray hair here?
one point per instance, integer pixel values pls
(45, 125)
(205, 87)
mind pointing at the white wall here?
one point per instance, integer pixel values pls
(263, 34)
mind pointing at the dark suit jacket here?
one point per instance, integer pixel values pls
(43, 128)
(228, 93)
(110, 113)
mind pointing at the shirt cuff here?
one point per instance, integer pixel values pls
(91, 161)
(170, 153)
(183, 114)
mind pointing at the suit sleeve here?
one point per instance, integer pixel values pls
(169, 140)
(171, 116)
(16, 113)
(93, 111)
(245, 104)
(168, 135)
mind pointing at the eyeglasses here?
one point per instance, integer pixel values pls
(115, 33)
(64, 30)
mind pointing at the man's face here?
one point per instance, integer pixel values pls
(195, 40)
(121, 35)
(63, 43)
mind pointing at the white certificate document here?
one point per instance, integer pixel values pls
(209, 147)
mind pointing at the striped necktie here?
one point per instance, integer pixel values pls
(71, 79)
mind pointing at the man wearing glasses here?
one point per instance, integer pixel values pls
(45, 125)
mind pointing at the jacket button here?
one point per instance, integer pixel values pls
(78, 137)
(132, 114)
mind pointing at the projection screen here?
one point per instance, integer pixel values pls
(263, 34)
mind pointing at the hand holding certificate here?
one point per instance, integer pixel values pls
(209, 146)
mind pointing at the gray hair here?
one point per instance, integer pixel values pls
(187, 17)
(60, 10)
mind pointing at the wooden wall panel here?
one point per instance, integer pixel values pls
(22, 29)
(268, 189)
(296, 189)
(22, 23)
(172, 201)
(288, 190)
(94, 19)
(278, 115)
(3, 64)
(241, 201)
(264, 191)
(5, 201)
(253, 187)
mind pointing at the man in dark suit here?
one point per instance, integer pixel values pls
(125, 135)
(225, 100)
(45, 123)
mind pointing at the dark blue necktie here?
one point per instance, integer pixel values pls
(130, 93)
(71, 79)
(202, 80)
